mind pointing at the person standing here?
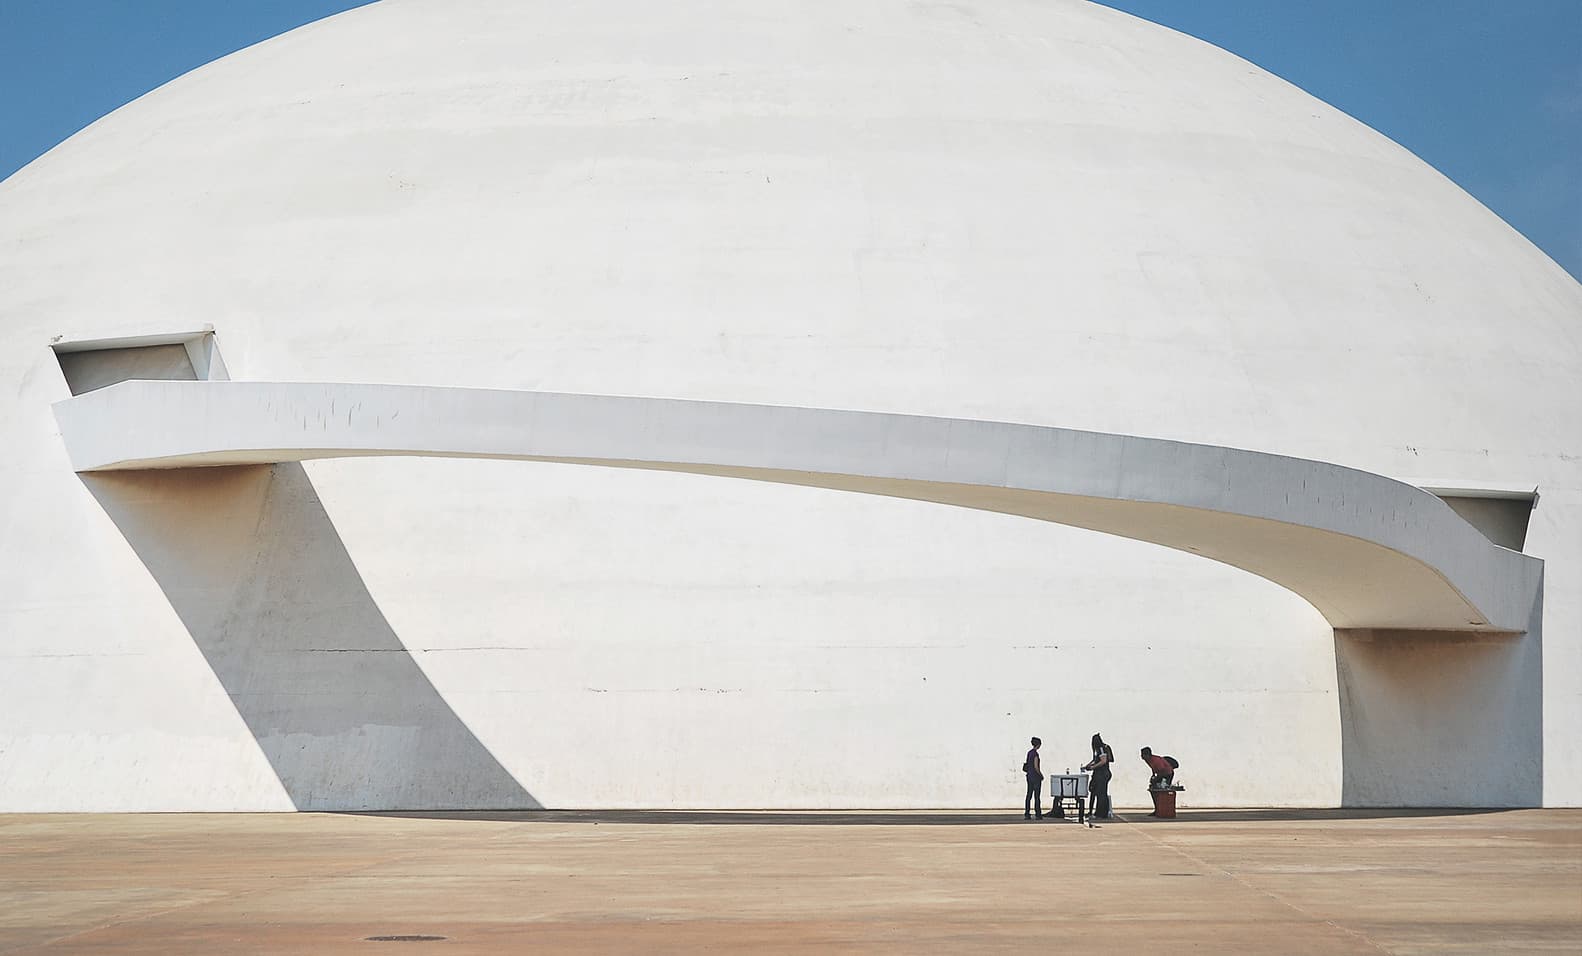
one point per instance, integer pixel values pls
(1099, 785)
(1035, 783)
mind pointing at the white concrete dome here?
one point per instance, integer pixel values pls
(1041, 211)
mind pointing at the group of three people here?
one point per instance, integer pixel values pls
(1098, 785)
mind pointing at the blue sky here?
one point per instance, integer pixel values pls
(1488, 91)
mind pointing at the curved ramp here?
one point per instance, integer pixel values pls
(1366, 551)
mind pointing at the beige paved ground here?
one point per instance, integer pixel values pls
(1262, 882)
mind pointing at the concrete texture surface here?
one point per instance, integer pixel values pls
(1220, 881)
(1039, 211)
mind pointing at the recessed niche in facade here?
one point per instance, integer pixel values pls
(1502, 518)
(96, 363)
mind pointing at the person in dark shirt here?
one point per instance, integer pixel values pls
(1099, 785)
(1035, 783)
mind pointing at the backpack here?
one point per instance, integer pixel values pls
(1173, 762)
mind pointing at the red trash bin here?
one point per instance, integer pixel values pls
(1164, 803)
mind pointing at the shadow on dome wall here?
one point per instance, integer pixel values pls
(252, 564)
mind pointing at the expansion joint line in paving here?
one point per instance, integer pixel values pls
(1205, 864)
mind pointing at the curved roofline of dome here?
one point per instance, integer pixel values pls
(1365, 550)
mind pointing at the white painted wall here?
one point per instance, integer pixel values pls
(1044, 212)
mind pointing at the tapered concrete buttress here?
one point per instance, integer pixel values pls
(1424, 712)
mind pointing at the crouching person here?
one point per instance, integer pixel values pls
(1163, 773)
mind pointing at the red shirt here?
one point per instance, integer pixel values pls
(1160, 766)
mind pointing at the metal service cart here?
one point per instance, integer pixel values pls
(1068, 786)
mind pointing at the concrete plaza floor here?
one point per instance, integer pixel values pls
(946, 882)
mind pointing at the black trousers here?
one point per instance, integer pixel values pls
(1099, 796)
(1035, 795)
